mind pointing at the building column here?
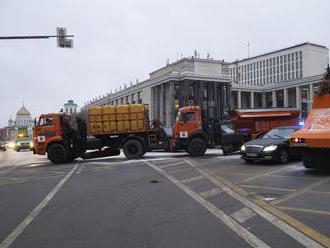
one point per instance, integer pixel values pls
(160, 102)
(239, 99)
(263, 99)
(298, 98)
(311, 97)
(285, 98)
(252, 99)
(169, 103)
(274, 100)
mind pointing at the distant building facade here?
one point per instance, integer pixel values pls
(70, 107)
(282, 78)
(23, 119)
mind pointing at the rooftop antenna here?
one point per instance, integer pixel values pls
(177, 56)
(167, 61)
(208, 55)
(248, 49)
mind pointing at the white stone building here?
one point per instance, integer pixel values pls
(70, 107)
(282, 78)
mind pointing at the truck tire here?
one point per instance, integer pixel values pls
(133, 149)
(196, 147)
(57, 153)
(316, 160)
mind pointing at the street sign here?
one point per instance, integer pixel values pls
(62, 40)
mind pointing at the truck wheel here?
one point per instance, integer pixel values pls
(133, 149)
(283, 156)
(57, 153)
(196, 147)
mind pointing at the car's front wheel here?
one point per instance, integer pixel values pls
(283, 156)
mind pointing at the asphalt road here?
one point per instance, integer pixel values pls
(163, 200)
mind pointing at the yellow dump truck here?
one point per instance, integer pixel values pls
(101, 133)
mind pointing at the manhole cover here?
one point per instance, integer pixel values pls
(154, 181)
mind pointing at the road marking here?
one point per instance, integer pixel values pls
(300, 192)
(9, 240)
(9, 169)
(261, 175)
(227, 220)
(80, 169)
(171, 165)
(192, 179)
(259, 208)
(305, 210)
(210, 193)
(268, 188)
(243, 215)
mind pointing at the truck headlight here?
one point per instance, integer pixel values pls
(243, 148)
(270, 148)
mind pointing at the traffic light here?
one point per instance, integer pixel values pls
(62, 40)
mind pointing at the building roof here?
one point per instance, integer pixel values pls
(23, 111)
(281, 50)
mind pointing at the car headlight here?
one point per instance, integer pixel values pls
(18, 143)
(270, 148)
(243, 148)
(31, 144)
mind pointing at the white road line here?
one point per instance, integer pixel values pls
(243, 215)
(80, 169)
(9, 169)
(192, 179)
(210, 193)
(292, 232)
(9, 240)
(227, 220)
(172, 165)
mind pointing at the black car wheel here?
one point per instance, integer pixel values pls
(283, 156)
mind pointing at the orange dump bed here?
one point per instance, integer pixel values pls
(316, 131)
(262, 120)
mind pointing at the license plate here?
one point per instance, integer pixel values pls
(252, 155)
(299, 145)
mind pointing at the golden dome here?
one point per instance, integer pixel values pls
(23, 111)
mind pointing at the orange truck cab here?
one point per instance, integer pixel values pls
(195, 134)
(314, 138)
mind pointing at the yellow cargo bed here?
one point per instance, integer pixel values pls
(117, 119)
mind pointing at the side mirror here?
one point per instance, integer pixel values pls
(35, 122)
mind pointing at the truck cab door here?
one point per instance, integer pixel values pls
(186, 124)
(44, 130)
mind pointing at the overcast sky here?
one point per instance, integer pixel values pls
(119, 41)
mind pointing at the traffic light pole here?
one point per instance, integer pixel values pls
(34, 37)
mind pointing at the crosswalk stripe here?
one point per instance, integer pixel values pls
(243, 215)
(211, 192)
(192, 179)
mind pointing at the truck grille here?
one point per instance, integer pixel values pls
(254, 148)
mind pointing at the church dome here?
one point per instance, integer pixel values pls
(23, 111)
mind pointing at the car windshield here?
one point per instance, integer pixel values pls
(280, 133)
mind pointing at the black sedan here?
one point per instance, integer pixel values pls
(274, 145)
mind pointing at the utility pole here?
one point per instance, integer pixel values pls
(61, 36)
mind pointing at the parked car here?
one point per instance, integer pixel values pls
(274, 145)
(3, 146)
(23, 144)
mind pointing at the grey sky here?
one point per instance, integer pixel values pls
(118, 41)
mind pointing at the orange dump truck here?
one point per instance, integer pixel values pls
(314, 137)
(259, 121)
